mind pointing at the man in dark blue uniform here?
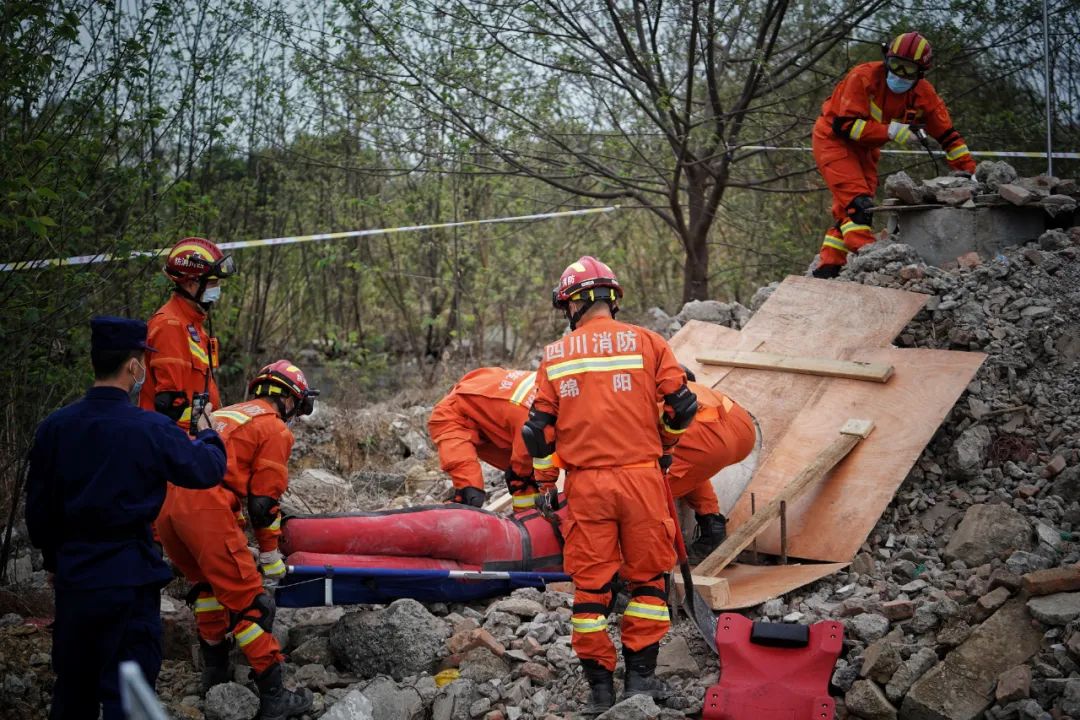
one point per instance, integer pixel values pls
(98, 471)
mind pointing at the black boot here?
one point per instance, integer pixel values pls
(712, 531)
(601, 687)
(641, 673)
(275, 701)
(215, 663)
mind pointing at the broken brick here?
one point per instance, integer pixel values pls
(1016, 194)
(538, 673)
(896, 610)
(1054, 467)
(1054, 580)
(969, 260)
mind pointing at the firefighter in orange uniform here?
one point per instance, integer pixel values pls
(481, 419)
(184, 365)
(722, 434)
(876, 102)
(596, 403)
(203, 535)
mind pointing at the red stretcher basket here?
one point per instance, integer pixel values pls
(773, 671)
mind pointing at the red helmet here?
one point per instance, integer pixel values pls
(196, 258)
(909, 55)
(282, 377)
(581, 279)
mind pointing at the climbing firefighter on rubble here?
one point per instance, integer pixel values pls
(481, 419)
(203, 535)
(876, 102)
(180, 375)
(596, 404)
(722, 434)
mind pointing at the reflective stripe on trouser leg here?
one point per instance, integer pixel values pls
(646, 619)
(590, 638)
(211, 618)
(856, 235)
(833, 250)
(260, 647)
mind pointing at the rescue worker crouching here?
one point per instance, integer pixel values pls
(722, 434)
(203, 536)
(597, 394)
(481, 419)
(184, 365)
(98, 474)
(875, 103)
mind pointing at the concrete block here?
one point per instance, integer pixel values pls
(962, 686)
(940, 235)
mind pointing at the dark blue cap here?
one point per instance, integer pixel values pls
(117, 333)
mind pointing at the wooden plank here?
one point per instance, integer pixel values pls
(750, 585)
(714, 590)
(854, 370)
(830, 521)
(697, 337)
(849, 436)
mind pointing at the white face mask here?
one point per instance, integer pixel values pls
(211, 294)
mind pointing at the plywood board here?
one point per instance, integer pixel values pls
(831, 520)
(810, 476)
(824, 318)
(803, 316)
(750, 585)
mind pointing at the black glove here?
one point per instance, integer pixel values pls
(826, 272)
(665, 462)
(470, 496)
(519, 483)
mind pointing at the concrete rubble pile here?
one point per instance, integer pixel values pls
(994, 183)
(963, 603)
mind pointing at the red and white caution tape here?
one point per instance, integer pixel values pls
(109, 257)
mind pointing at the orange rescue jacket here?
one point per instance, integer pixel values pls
(258, 444)
(861, 107)
(603, 382)
(182, 361)
(493, 402)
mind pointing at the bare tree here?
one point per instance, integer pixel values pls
(639, 100)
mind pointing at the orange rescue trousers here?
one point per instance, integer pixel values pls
(707, 448)
(618, 518)
(849, 170)
(202, 537)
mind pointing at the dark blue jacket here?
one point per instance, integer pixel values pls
(98, 471)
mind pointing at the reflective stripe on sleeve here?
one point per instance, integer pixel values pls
(857, 128)
(851, 226)
(544, 463)
(208, 604)
(524, 501)
(522, 390)
(275, 568)
(957, 152)
(237, 417)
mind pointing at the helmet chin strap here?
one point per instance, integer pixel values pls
(197, 299)
(575, 318)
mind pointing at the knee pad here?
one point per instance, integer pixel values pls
(859, 210)
(261, 611)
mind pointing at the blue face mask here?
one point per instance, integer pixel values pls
(898, 84)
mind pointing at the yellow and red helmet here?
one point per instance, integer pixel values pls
(284, 378)
(196, 258)
(587, 279)
(909, 55)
